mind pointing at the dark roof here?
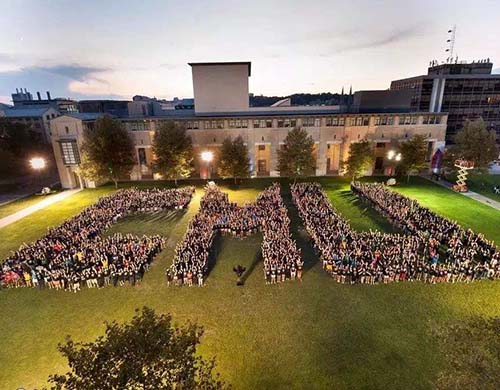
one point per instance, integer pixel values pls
(85, 116)
(26, 112)
(248, 63)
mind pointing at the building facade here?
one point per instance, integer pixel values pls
(263, 129)
(463, 90)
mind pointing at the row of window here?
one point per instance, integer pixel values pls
(386, 120)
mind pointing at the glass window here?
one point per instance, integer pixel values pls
(256, 123)
(377, 121)
(262, 147)
(413, 120)
(69, 152)
(317, 122)
(390, 120)
(366, 121)
(281, 123)
(269, 123)
(341, 121)
(335, 121)
(359, 121)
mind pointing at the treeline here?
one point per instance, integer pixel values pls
(302, 99)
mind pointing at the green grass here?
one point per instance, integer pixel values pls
(468, 212)
(315, 334)
(13, 207)
(482, 184)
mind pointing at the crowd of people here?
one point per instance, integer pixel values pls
(74, 254)
(376, 257)
(282, 258)
(218, 214)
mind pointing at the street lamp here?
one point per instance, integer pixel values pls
(393, 156)
(207, 156)
(37, 163)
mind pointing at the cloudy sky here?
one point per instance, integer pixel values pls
(107, 49)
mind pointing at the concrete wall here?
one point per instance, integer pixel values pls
(220, 88)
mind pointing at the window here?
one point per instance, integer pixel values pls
(341, 121)
(380, 144)
(262, 147)
(359, 121)
(390, 120)
(366, 121)
(269, 123)
(47, 117)
(328, 122)
(281, 123)
(307, 122)
(69, 152)
(413, 120)
(377, 121)
(407, 120)
(142, 156)
(66, 128)
(256, 123)
(207, 125)
(317, 122)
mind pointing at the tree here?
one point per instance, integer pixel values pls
(108, 151)
(475, 143)
(147, 353)
(296, 158)
(233, 159)
(360, 158)
(173, 151)
(471, 348)
(413, 154)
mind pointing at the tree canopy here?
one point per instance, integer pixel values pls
(173, 151)
(413, 153)
(475, 143)
(360, 158)
(148, 353)
(296, 158)
(233, 159)
(471, 348)
(108, 151)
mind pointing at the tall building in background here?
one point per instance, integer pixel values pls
(463, 90)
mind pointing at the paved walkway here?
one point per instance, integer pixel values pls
(470, 194)
(38, 206)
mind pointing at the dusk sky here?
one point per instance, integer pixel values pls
(116, 49)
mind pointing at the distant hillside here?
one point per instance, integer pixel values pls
(301, 99)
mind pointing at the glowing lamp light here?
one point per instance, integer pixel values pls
(207, 156)
(37, 163)
(398, 157)
(391, 154)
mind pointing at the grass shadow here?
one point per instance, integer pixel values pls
(256, 260)
(299, 233)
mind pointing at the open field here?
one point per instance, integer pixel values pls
(315, 334)
(482, 184)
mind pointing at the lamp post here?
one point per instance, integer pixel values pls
(207, 156)
(393, 156)
(37, 164)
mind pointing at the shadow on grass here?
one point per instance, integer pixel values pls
(298, 231)
(256, 260)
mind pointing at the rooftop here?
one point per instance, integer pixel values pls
(248, 63)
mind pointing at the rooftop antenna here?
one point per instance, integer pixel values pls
(451, 43)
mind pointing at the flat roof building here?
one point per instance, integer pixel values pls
(463, 90)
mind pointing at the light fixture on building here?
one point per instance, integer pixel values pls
(392, 155)
(37, 163)
(207, 156)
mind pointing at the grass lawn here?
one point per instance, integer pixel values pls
(468, 212)
(13, 207)
(315, 334)
(482, 184)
